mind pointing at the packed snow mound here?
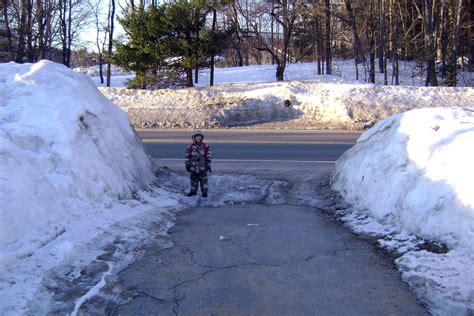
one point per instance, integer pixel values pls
(328, 102)
(61, 141)
(414, 171)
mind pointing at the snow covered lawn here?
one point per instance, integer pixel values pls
(410, 179)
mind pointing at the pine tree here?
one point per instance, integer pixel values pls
(164, 41)
(145, 50)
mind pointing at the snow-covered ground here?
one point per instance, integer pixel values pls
(249, 96)
(409, 179)
(410, 74)
(79, 196)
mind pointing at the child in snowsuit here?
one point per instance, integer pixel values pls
(198, 159)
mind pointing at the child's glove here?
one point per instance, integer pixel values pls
(208, 169)
(188, 168)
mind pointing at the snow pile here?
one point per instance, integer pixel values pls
(60, 140)
(413, 173)
(327, 102)
(71, 167)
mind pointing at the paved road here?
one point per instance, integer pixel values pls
(270, 260)
(253, 144)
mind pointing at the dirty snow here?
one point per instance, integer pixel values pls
(409, 180)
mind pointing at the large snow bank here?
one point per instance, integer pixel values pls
(61, 141)
(328, 102)
(415, 170)
(413, 173)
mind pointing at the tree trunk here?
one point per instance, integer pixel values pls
(21, 53)
(470, 66)
(372, 60)
(29, 32)
(41, 28)
(383, 40)
(359, 54)
(457, 7)
(63, 33)
(328, 38)
(8, 33)
(69, 34)
(189, 77)
(240, 57)
(213, 30)
(101, 72)
(272, 31)
(443, 29)
(370, 35)
(430, 55)
(196, 69)
(380, 36)
(318, 42)
(111, 40)
(280, 71)
(394, 52)
(238, 49)
(48, 30)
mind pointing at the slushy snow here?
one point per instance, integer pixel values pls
(411, 176)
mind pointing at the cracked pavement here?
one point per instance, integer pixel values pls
(264, 260)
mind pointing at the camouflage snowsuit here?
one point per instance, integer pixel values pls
(198, 157)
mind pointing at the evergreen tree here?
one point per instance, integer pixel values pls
(185, 19)
(145, 51)
(164, 41)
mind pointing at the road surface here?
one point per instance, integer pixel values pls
(264, 260)
(253, 145)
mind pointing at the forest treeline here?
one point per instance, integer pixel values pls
(169, 41)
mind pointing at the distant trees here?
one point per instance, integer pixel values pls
(38, 29)
(436, 34)
(31, 30)
(180, 36)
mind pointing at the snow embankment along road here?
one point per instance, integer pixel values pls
(71, 170)
(409, 177)
(326, 103)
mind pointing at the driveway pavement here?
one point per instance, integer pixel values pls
(264, 260)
